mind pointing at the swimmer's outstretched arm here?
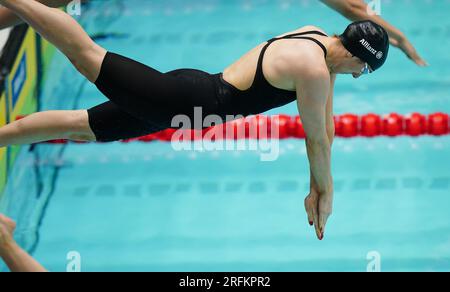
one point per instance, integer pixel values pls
(8, 18)
(314, 194)
(64, 32)
(313, 90)
(12, 254)
(356, 10)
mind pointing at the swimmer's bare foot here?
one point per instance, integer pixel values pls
(7, 227)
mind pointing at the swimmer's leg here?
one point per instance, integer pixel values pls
(8, 18)
(62, 31)
(49, 125)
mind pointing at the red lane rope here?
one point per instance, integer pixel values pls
(346, 126)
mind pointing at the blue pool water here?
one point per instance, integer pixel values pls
(134, 207)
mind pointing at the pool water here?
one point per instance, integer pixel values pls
(146, 207)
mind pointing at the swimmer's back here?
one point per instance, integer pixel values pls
(277, 60)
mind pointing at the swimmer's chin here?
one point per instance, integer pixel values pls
(356, 76)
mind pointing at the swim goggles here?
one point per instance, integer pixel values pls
(366, 69)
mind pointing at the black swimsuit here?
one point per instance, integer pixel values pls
(144, 100)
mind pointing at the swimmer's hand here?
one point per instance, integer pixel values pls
(7, 227)
(404, 45)
(319, 207)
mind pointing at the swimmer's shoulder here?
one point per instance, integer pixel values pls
(304, 59)
(305, 65)
(314, 53)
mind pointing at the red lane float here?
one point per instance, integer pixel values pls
(347, 126)
(416, 124)
(438, 124)
(393, 125)
(285, 127)
(283, 123)
(296, 129)
(371, 125)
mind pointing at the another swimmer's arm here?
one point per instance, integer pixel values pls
(19, 260)
(13, 255)
(358, 10)
(312, 91)
(8, 18)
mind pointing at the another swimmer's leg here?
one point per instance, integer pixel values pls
(64, 32)
(49, 125)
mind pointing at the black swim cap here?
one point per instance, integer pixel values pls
(367, 41)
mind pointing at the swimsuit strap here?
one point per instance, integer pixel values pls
(301, 36)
